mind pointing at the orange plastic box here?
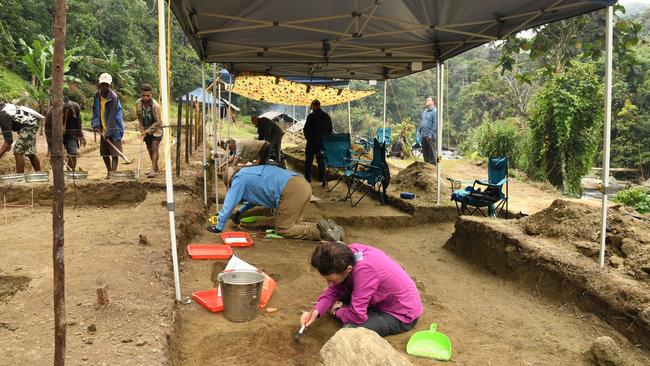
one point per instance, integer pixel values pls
(209, 251)
(209, 300)
(237, 239)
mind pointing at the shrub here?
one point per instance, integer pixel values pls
(636, 198)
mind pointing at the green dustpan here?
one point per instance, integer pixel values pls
(251, 219)
(430, 344)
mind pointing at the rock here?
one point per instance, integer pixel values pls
(616, 261)
(629, 247)
(140, 342)
(8, 326)
(645, 315)
(87, 340)
(605, 352)
(647, 183)
(142, 240)
(126, 340)
(587, 248)
(615, 240)
(646, 269)
(360, 346)
(92, 328)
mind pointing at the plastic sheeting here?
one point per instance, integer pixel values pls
(272, 89)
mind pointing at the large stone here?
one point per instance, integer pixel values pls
(645, 315)
(629, 247)
(360, 346)
(605, 352)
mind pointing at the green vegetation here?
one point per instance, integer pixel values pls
(636, 198)
(537, 99)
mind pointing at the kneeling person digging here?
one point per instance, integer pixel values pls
(273, 187)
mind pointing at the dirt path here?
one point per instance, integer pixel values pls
(489, 320)
(102, 245)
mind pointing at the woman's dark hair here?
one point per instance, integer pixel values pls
(332, 257)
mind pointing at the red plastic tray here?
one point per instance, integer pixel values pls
(209, 251)
(237, 239)
(209, 300)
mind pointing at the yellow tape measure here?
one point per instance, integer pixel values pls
(214, 220)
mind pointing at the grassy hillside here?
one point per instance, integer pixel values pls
(12, 86)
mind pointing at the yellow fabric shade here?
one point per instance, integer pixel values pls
(272, 89)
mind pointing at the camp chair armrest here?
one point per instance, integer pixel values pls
(456, 184)
(484, 182)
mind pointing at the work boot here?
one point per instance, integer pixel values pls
(326, 232)
(338, 229)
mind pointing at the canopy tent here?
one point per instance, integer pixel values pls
(363, 39)
(276, 90)
(370, 39)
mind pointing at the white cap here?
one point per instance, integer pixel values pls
(105, 78)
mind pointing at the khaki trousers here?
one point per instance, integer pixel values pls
(288, 219)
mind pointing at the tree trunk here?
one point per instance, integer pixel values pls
(56, 160)
(565, 185)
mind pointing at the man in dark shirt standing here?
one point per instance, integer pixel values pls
(318, 124)
(73, 135)
(268, 130)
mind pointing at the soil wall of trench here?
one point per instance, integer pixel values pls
(503, 249)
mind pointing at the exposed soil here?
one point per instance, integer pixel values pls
(489, 320)
(576, 227)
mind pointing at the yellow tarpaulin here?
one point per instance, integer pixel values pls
(272, 89)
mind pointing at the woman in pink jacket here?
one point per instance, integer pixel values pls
(366, 288)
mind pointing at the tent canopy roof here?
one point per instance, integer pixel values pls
(361, 39)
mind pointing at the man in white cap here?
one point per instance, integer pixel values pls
(107, 120)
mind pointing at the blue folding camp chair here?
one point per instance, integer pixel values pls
(383, 135)
(485, 193)
(369, 177)
(337, 157)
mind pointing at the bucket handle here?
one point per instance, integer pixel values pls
(433, 328)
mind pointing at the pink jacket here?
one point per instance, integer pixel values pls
(376, 281)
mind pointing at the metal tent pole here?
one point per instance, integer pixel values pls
(203, 119)
(349, 117)
(439, 96)
(606, 130)
(164, 96)
(215, 108)
(383, 133)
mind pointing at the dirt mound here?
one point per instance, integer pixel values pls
(577, 226)
(418, 178)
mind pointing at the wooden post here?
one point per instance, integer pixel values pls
(187, 129)
(178, 137)
(190, 132)
(56, 160)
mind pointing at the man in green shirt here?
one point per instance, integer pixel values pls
(148, 112)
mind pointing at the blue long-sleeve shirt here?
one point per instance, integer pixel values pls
(260, 185)
(429, 125)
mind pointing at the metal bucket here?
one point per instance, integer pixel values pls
(241, 294)
(37, 177)
(12, 178)
(127, 174)
(75, 176)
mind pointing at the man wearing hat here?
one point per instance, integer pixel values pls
(107, 120)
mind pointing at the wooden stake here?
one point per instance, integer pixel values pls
(187, 129)
(56, 161)
(178, 137)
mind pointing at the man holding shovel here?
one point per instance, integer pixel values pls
(148, 112)
(107, 120)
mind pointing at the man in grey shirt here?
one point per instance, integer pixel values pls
(428, 131)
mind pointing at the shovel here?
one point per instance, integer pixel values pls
(137, 171)
(126, 160)
(430, 344)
